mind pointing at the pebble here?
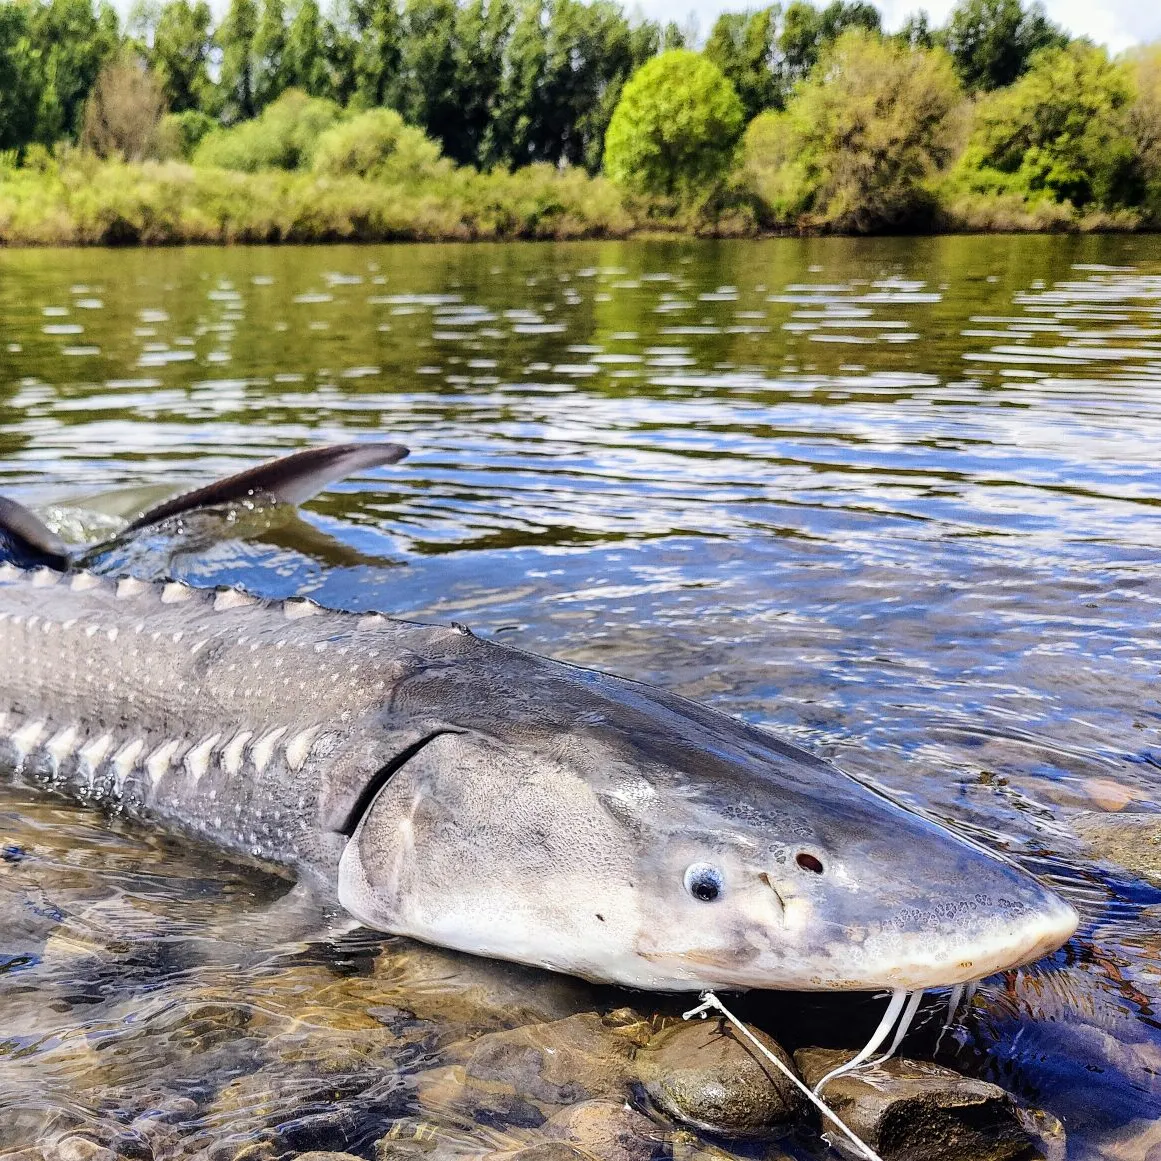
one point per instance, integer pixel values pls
(702, 1074)
(909, 1110)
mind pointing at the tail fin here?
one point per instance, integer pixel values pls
(293, 479)
(26, 541)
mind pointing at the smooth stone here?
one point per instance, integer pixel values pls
(702, 1074)
(909, 1110)
(521, 1076)
(1132, 841)
(78, 1148)
(611, 1130)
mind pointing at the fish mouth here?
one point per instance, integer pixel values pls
(935, 962)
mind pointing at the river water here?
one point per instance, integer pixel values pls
(898, 500)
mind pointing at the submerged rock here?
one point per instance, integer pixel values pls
(702, 1073)
(1132, 841)
(520, 1077)
(611, 1130)
(909, 1110)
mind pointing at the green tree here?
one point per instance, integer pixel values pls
(18, 84)
(1062, 132)
(807, 32)
(861, 142)
(269, 54)
(65, 47)
(181, 49)
(742, 44)
(515, 134)
(429, 94)
(676, 127)
(483, 32)
(992, 41)
(235, 39)
(305, 59)
(590, 52)
(376, 33)
(917, 31)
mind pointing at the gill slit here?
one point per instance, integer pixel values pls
(380, 779)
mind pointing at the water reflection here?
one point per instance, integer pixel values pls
(896, 499)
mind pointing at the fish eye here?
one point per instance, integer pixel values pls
(703, 882)
(809, 862)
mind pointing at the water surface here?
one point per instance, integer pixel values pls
(897, 500)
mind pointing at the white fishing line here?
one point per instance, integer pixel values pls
(890, 1016)
(709, 1000)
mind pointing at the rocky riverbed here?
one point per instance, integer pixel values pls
(159, 1031)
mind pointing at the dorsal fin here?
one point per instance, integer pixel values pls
(26, 541)
(292, 479)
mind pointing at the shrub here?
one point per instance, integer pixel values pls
(123, 112)
(860, 144)
(675, 128)
(181, 133)
(377, 143)
(1060, 133)
(283, 137)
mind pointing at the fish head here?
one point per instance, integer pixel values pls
(630, 837)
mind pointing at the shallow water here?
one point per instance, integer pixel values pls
(896, 499)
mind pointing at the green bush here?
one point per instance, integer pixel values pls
(1060, 133)
(283, 137)
(861, 143)
(181, 133)
(675, 129)
(377, 143)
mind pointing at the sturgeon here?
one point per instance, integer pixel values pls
(473, 795)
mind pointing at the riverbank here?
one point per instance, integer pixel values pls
(83, 201)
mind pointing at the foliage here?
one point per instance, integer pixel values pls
(1144, 125)
(235, 39)
(180, 54)
(18, 83)
(269, 54)
(58, 55)
(305, 58)
(377, 143)
(124, 110)
(675, 129)
(283, 137)
(993, 41)
(1061, 133)
(862, 140)
(180, 134)
(742, 45)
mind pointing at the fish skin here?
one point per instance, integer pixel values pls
(535, 811)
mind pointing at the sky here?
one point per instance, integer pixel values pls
(1118, 24)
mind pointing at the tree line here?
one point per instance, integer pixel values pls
(494, 82)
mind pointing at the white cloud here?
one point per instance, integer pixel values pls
(1119, 24)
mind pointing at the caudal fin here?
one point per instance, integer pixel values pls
(25, 540)
(293, 479)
